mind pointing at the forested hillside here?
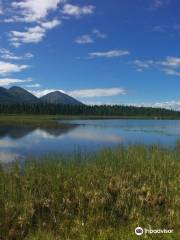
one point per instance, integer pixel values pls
(103, 110)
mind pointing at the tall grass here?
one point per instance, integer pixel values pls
(100, 196)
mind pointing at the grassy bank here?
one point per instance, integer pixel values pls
(102, 196)
(43, 120)
(35, 120)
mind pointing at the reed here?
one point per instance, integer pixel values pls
(101, 196)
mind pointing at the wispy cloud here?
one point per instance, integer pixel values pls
(172, 105)
(36, 85)
(172, 30)
(171, 72)
(1, 8)
(170, 65)
(173, 62)
(98, 34)
(90, 38)
(77, 11)
(50, 24)
(9, 81)
(160, 28)
(109, 54)
(36, 15)
(32, 34)
(84, 39)
(8, 55)
(156, 4)
(7, 68)
(143, 64)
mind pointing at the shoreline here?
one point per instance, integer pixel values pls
(40, 120)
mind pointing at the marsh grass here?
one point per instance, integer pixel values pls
(51, 120)
(100, 196)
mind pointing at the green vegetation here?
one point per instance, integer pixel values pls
(84, 110)
(50, 119)
(40, 120)
(101, 196)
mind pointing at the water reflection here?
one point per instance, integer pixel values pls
(95, 136)
(7, 157)
(20, 141)
(20, 131)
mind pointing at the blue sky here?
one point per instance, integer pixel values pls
(101, 52)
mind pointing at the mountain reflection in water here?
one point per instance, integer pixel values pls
(20, 131)
(21, 141)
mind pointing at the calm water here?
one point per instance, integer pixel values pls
(18, 142)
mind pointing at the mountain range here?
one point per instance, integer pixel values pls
(18, 95)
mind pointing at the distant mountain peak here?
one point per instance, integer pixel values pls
(58, 97)
(16, 88)
(20, 95)
(56, 92)
(23, 96)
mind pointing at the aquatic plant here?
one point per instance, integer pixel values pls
(100, 196)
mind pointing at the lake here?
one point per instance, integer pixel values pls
(18, 142)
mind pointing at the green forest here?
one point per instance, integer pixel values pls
(85, 110)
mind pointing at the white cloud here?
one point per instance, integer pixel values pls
(37, 11)
(32, 34)
(171, 72)
(51, 24)
(84, 39)
(8, 68)
(36, 85)
(1, 8)
(169, 65)
(34, 10)
(9, 20)
(167, 29)
(160, 28)
(99, 34)
(8, 55)
(109, 54)
(10, 81)
(78, 11)
(156, 4)
(28, 55)
(97, 92)
(171, 62)
(143, 64)
(84, 93)
(90, 38)
(172, 105)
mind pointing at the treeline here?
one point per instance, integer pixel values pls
(103, 110)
